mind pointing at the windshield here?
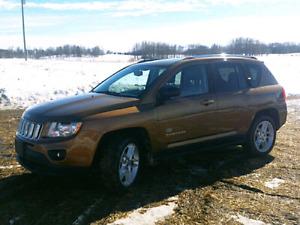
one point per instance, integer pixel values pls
(131, 81)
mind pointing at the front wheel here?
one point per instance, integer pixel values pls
(261, 136)
(120, 163)
(129, 163)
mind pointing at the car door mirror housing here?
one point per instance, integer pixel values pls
(168, 92)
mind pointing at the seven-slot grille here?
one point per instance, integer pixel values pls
(29, 129)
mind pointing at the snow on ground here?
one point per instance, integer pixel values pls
(246, 221)
(149, 216)
(286, 69)
(274, 183)
(26, 83)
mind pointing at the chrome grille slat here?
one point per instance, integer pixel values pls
(36, 132)
(29, 129)
(26, 128)
(20, 125)
(23, 127)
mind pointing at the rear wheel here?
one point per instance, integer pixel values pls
(120, 162)
(262, 135)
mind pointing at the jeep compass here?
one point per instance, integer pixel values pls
(154, 108)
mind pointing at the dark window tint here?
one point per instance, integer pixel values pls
(228, 77)
(259, 75)
(267, 77)
(254, 73)
(192, 80)
(242, 78)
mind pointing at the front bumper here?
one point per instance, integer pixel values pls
(38, 162)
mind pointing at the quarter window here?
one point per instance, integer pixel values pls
(254, 74)
(267, 77)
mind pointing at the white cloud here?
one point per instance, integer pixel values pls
(267, 29)
(73, 6)
(5, 4)
(240, 2)
(116, 8)
(14, 22)
(139, 8)
(119, 6)
(220, 31)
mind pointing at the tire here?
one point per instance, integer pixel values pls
(120, 163)
(261, 136)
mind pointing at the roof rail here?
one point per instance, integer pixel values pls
(146, 60)
(188, 57)
(223, 55)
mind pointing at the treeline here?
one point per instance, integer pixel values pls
(155, 50)
(244, 46)
(158, 50)
(65, 51)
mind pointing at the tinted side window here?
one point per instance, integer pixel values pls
(192, 80)
(254, 74)
(267, 77)
(228, 77)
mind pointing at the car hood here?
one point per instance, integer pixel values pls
(75, 108)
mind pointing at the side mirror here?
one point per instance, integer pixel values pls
(168, 92)
(138, 73)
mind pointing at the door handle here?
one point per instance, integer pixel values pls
(207, 102)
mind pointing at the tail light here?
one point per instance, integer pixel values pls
(282, 94)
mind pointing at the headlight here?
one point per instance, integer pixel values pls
(57, 129)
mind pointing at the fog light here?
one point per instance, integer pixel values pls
(57, 155)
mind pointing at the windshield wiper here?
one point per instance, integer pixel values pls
(108, 93)
(115, 94)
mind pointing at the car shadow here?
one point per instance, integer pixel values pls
(32, 199)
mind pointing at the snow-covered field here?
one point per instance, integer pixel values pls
(286, 69)
(25, 83)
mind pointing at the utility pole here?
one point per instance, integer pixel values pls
(23, 24)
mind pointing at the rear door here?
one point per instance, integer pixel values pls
(231, 89)
(190, 115)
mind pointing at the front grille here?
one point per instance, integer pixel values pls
(29, 129)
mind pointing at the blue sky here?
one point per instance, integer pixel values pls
(118, 24)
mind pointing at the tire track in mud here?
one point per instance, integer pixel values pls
(82, 218)
(257, 190)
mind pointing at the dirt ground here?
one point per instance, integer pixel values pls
(219, 187)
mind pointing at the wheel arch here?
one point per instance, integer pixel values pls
(272, 112)
(140, 133)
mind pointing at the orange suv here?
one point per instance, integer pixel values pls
(154, 108)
